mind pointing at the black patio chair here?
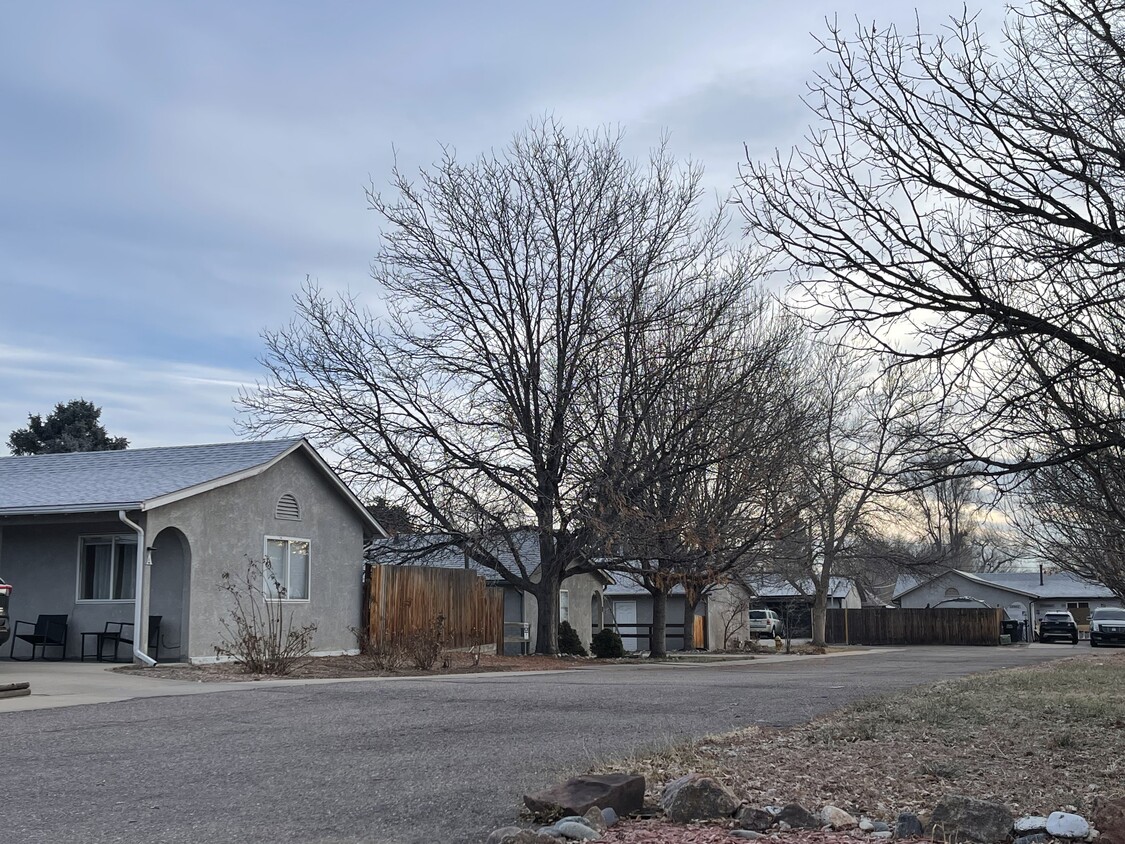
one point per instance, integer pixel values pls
(48, 631)
(121, 633)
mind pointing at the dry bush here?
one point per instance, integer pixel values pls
(390, 655)
(425, 646)
(256, 632)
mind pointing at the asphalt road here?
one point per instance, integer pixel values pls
(401, 761)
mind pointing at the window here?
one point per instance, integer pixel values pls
(952, 592)
(564, 606)
(107, 568)
(287, 508)
(289, 562)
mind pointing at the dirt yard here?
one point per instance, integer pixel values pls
(343, 667)
(1038, 739)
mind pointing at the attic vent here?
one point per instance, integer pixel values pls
(288, 508)
(951, 592)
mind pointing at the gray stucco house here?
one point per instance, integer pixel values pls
(580, 598)
(85, 534)
(1024, 596)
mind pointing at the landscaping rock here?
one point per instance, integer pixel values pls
(595, 819)
(1029, 824)
(866, 825)
(1067, 825)
(795, 816)
(609, 816)
(908, 826)
(755, 820)
(1034, 838)
(503, 835)
(1109, 818)
(969, 819)
(773, 810)
(624, 793)
(879, 826)
(697, 798)
(576, 831)
(837, 818)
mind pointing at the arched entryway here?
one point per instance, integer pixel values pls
(169, 590)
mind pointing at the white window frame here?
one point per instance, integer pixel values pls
(564, 616)
(114, 539)
(285, 582)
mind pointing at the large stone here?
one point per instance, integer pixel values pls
(1109, 819)
(1067, 825)
(908, 825)
(837, 818)
(697, 798)
(609, 816)
(796, 816)
(624, 793)
(595, 819)
(1029, 824)
(959, 818)
(756, 820)
(880, 826)
(575, 831)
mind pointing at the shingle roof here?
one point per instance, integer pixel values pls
(437, 551)
(1057, 585)
(624, 586)
(774, 586)
(111, 480)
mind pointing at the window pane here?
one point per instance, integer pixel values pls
(97, 569)
(125, 572)
(298, 570)
(274, 574)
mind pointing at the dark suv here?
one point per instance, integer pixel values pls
(5, 593)
(1058, 625)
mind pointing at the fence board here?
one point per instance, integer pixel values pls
(940, 626)
(404, 599)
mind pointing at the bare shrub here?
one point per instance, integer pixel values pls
(390, 655)
(256, 632)
(425, 646)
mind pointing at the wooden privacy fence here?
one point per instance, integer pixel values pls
(880, 626)
(405, 599)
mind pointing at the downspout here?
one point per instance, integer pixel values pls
(140, 622)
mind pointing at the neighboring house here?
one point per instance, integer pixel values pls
(1023, 595)
(76, 528)
(719, 615)
(793, 600)
(580, 598)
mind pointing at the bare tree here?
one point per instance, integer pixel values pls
(961, 207)
(862, 437)
(705, 424)
(1074, 517)
(506, 281)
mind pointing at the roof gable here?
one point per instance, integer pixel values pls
(1025, 584)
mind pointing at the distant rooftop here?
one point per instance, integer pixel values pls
(1057, 585)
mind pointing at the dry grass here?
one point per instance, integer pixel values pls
(1037, 739)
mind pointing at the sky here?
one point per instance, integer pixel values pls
(171, 173)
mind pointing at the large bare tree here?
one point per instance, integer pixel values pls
(862, 437)
(705, 426)
(962, 206)
(507, 283)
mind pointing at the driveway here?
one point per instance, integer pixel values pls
(425, 760)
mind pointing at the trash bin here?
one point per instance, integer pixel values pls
(1012, 627)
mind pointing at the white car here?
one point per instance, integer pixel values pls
(765, 623)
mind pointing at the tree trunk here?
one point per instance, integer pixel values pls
(819, 615)
(691, 601)
(658, 643)
(547, 615)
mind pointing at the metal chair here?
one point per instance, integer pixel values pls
(48, 631)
